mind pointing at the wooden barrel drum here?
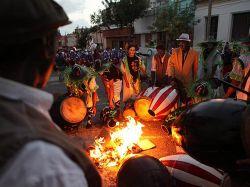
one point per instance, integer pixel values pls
(143, 102)
(163, 102)
(68, 112)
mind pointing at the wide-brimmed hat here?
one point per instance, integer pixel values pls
(101, 67)
(211, 41)
(78, 72)
(184, 37)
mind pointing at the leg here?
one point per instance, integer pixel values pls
(89, 117)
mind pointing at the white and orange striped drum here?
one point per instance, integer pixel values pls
(188, 172)
(143, 102)
(163, 102)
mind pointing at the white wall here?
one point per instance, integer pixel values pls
(143, 40)
(224, 9)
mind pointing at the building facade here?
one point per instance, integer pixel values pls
(230, 20)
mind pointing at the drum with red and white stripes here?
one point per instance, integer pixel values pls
(163, 102)
(188, 172)
(143, 102)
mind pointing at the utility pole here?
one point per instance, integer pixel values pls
(209, 19)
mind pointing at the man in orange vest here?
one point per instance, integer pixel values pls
(159, 66)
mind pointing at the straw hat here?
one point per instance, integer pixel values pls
(184, 37)
(210, 41)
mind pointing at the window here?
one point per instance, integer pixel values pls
(241, 26)
(213, 28)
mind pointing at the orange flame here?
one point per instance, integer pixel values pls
(176, 135)
(123, 138)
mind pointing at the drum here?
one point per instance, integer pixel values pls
(128, 112)
(68, 112)
(143, 102)
(163, 102)
(187, 171)
(211, 131)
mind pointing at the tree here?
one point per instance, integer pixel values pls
(172, 19)
(83, 36)
(120, 13)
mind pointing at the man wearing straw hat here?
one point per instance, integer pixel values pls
(211, 66)
(183, 63)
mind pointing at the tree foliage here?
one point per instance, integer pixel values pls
(174, 19)
(120, 13)
(83, 36)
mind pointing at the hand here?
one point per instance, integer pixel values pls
(111, 105)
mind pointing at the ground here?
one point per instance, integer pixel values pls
(152, 131)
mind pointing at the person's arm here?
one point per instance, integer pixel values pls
(94, 99)
(170, 68)
(143, 68)
(153, 70)
(231, 90)
(111, 93)
(106, 84)
(124, 75)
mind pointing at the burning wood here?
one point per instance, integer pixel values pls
(124, 140)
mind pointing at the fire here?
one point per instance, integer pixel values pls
(176, 135)
(123, 140)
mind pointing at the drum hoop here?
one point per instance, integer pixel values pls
(143, 97)
(70, 120)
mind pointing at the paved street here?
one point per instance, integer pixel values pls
(151, 131)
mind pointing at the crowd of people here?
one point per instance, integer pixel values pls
(33, 150)
(194, 74)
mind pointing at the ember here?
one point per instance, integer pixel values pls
(124, 141)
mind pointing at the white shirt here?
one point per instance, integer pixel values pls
(38, 163)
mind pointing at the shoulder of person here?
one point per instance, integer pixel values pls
(46, 163)
(175, 50)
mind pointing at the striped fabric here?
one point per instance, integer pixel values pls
(150, 92)
(188, 172)
(163, 102)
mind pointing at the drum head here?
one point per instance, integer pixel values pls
(128, 112)
(141, 106)
(73, 109)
